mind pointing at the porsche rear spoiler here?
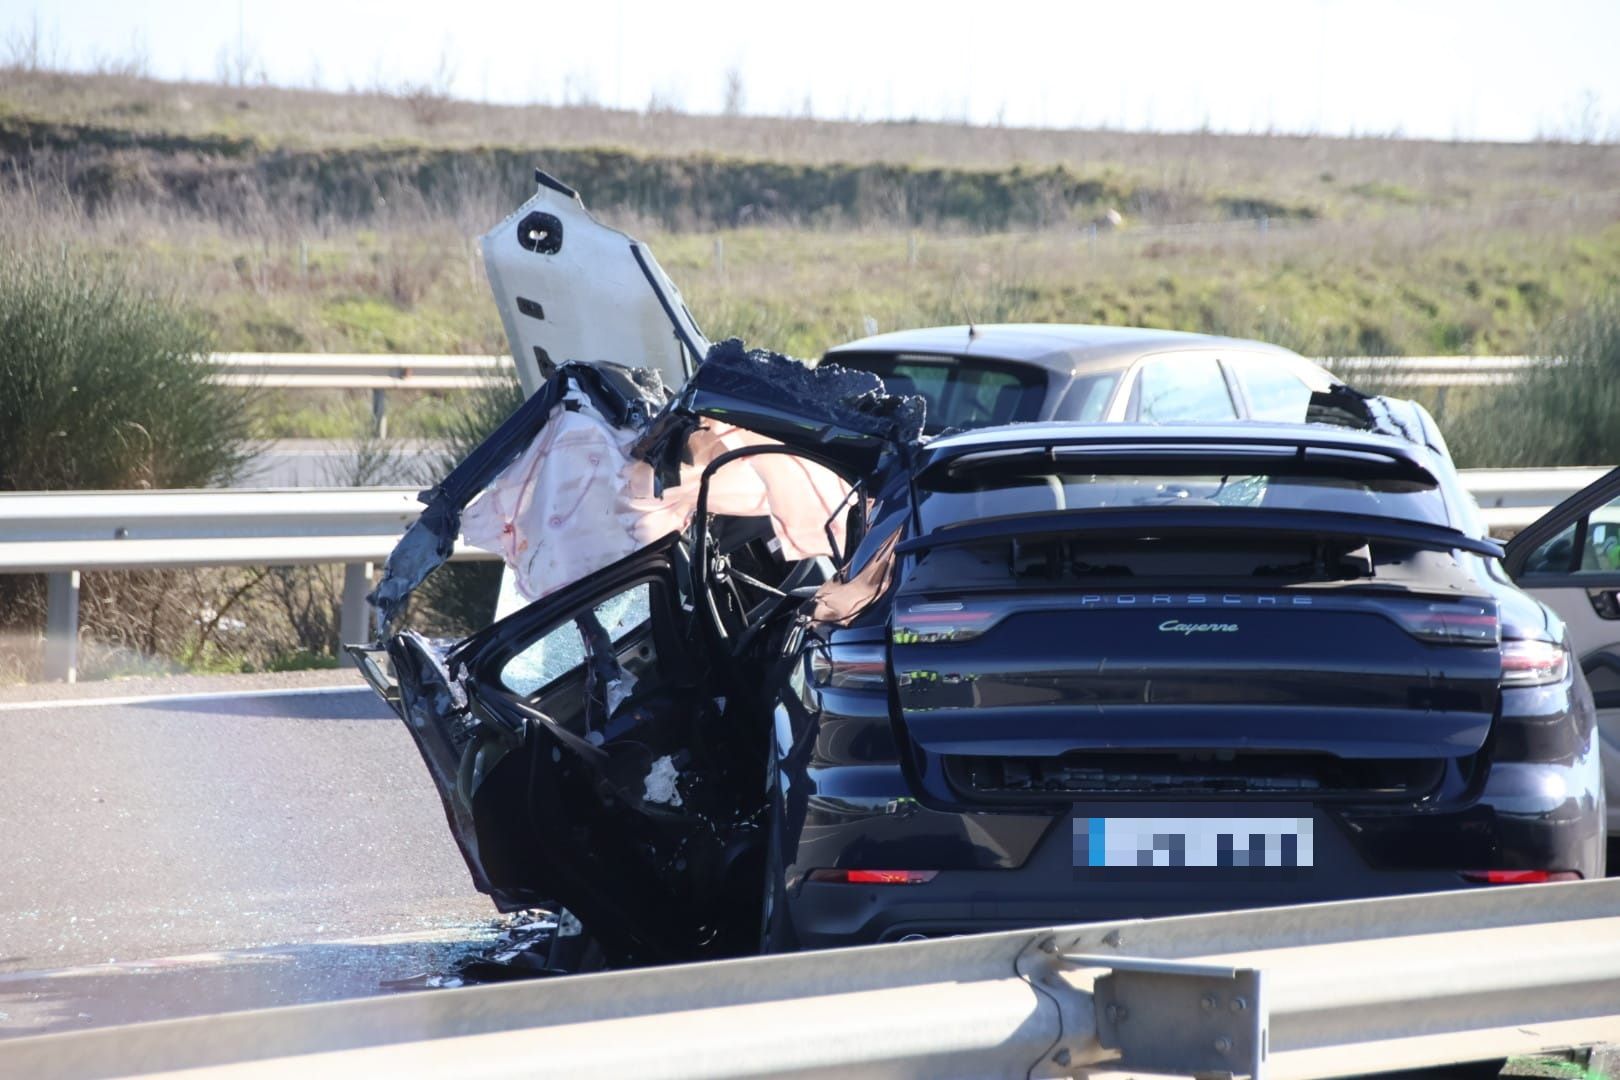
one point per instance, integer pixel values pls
(1189, 520)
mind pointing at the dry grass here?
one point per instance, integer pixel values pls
(413, 282)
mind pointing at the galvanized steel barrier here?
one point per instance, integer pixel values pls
(378, 373)
(383, 372)
(389, 371)
(63, 533)
(1319, 990)
(1437, 370)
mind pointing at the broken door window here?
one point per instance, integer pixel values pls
(563, 649)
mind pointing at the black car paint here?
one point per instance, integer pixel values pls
(1531, 800)
(815, 776)
(652, 881)
(1521, 788)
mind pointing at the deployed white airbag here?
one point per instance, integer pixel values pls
(574, 501)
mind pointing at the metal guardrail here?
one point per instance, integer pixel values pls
(1320, 990)
(1439, 371)
(381, 373)
(64, 533)
(1510, 499)
(378, 373)
(361, 371)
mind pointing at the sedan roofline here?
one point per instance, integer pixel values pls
(1058, 347)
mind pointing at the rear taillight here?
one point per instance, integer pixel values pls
(948, 621)
(874, 877)
(1451, 624)
(848, 667)
(1519, 877)
(1533, 663)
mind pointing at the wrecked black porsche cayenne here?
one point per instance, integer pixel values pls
(791, 674)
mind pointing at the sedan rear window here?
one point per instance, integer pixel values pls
(1178, 388)
(962, 392)
(1274, 392)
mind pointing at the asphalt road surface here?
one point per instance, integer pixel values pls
(186, 856)
(287, 463)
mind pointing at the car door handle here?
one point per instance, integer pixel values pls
(1606, 602)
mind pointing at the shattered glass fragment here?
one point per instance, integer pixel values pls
(619, 691)
(661, 782)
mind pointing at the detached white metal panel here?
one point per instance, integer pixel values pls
(570, 288)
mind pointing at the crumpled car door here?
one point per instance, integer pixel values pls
(571, 289)
(1569, 559)
(585, 754)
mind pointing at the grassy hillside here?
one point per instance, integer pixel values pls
(334, 153)
(1291, 167)
(313, 221)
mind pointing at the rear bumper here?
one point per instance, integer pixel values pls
(1543, 817)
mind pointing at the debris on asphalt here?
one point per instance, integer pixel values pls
(528, 944)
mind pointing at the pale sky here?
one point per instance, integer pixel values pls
(1435, 68)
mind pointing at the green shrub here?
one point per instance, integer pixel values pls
(1566, 413)
(107, 384)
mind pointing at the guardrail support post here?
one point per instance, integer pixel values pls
(354, 623)
(62, 626)
(379, 413)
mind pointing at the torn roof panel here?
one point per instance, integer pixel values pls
(839, 413)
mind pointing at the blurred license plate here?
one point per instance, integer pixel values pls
(1192, 841)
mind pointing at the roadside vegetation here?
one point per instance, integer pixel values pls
(1564, 414)
(107, 383)
(304, 221)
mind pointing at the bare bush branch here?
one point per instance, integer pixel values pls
(429, 101)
